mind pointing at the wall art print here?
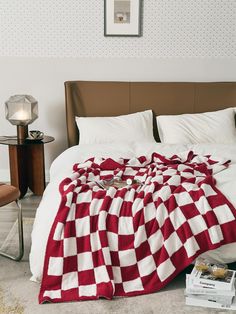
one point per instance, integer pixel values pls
(122, 17)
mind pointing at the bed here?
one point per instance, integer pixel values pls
(107, 99)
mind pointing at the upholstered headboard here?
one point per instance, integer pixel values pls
(90, 98)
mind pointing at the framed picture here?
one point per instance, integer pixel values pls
(122, 17)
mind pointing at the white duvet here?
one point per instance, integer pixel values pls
(62, 167)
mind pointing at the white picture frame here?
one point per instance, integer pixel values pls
(122, 18)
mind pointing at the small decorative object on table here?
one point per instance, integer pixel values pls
(211, 286)
(35, 135)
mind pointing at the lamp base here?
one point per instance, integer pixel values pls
(22, 132)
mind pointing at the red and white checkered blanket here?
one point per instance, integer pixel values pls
(133, 240)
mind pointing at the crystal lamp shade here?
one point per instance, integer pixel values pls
(21, 109)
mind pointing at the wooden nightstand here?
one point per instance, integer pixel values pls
(27, 163)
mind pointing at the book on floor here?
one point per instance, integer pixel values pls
(224, 300)
(210, 304)
(206, 290)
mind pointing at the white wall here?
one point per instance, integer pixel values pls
(44, 43)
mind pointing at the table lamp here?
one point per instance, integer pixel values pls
(21, 110)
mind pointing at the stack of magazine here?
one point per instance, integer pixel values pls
(203, 289)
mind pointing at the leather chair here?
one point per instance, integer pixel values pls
(8, 194)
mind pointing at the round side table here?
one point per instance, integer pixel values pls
(27, 168)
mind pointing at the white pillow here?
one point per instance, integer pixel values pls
(131, 127)
(208, 127)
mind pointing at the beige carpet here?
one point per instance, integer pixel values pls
(19, 295)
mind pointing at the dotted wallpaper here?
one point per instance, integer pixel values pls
(74, 28)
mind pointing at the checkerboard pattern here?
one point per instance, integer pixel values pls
(133, 240)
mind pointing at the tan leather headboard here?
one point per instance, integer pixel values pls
(90, 99)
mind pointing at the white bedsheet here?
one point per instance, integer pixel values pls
(62, 167)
